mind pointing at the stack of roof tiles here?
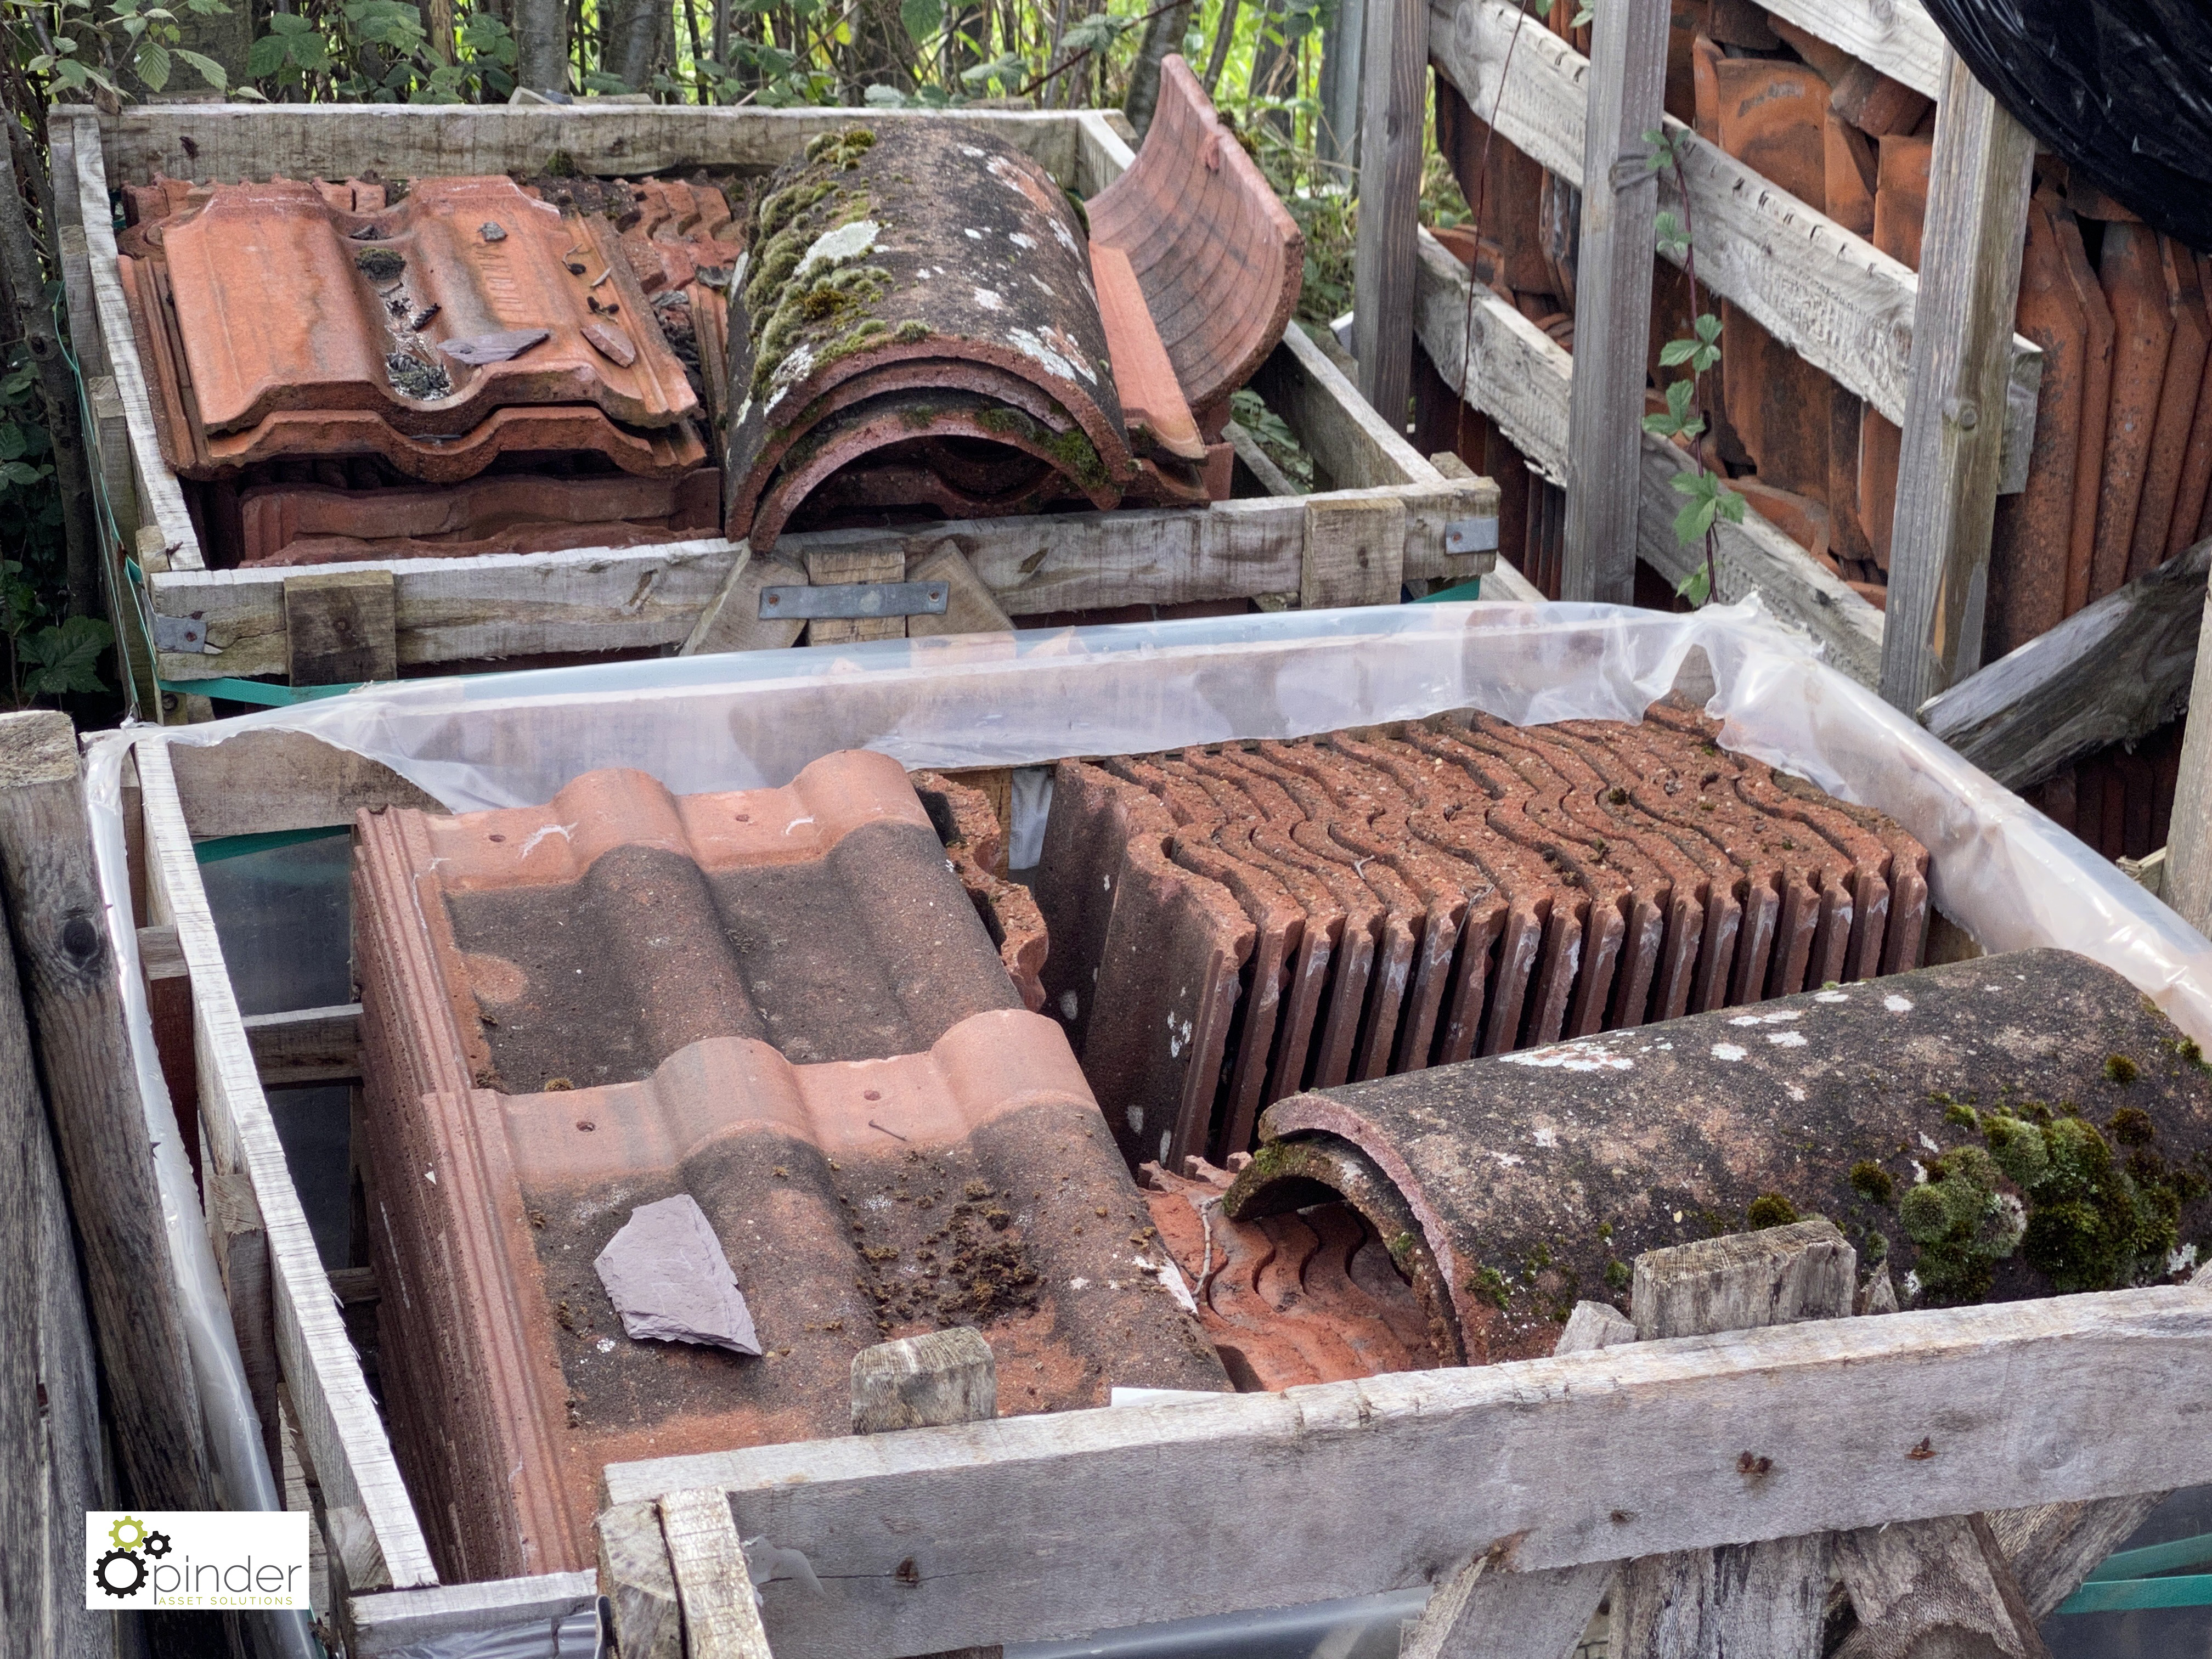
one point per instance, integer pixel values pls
(2120, 475)
(929, 323)
(783, 1004)
(317, 353)
(1231, 925)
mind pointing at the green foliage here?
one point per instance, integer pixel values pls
(76, 46)
(1702, 352)
(1710, 499)
(1770, 1210)
(1681, 420)
(1273, 434)
(64, 658)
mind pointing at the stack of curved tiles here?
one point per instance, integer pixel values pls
(320, 342)
(924, 322)
(780, 1004)
(1231, 927)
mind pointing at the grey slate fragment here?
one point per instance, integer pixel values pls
(475, 350)
(668, 1278)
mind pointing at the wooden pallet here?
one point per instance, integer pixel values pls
(1377, 520)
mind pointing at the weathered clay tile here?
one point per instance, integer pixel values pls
(1219, 256)
(2133, 272)
(1526, 1182)
(2177, 407)
(2197, 467)
(781, 1003)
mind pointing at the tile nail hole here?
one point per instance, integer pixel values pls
(586, 1124)
(872, 1094)
(498, 838)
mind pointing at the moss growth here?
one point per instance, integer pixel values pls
(2118, 1069)
(1490, 1284)
(911, 333)
(1962, 1116)
(1770, 1210)
(1872, 1183)
(2131, 1126)
(1963, 1223)
(1401, 1251)
(560, 165)
(1619, 1275)
(378, 264)
(841, 150)
(779, 209)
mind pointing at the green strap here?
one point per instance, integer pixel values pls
(2155, 1559)
(2133, 1595)
(258, 691)
(1453, 595)
(237, 846)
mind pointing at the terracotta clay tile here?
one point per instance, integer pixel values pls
(1850, 175)
(2100, 341)
(1309, 1296)
(1156, 1019)
(2179, 394)
(1900, 200)
(1220, 256)
(2031, 545)
(1530, 1185)
(2197, 467)
(249, 358)
(1152, 401)
(1876, 104)
(2133, 271)
(1772, 117)
(1706, 59)
(1501, 184)
(1801, 517)
(951, 1171)
(973, 842)
(314, 523)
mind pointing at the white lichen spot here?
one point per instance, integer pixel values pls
(1064, 343)
(1032, 346)
(877, 1202)
(797, 365)
(1897, 1005)
(1911, 1287)
(1544, 1135)
(1167, 1139)
(1136, 1116)
(1730, 1051)
(1781, 1017)
(970, 151)
(566, 831)
(1170, 1278)
(1793, 1091)
(836, 247)
(606, 1345)
(2181, 1261)
(1581, 1056)
(1066, 238)
(1020, 240)
(1831, 996)
(972, 231)
(1079, 1284)
(1927, 1141)
(990, 299)
(1508, 1159)
(1786, 1039)
(1042, 286)
(1919, 1172)
(1069, 1006)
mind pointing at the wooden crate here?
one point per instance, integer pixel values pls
(1850, 1423)
(1377, 521)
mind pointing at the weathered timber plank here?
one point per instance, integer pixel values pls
(1392, 124)
(1827, 295)
(258, 782)
(400, 1621)
(2108, 673)
(720, 1621)
(1949, 461)
(370, 1519)
(72, 990)
(1521, 380)
(638, 1582)
(2189, 842)
(308, 1045)
(160, 503)
(341, 627)
(1932, 1589)
(1897, 36)
(1612, 300)
(1005, 1521)
(230, 142)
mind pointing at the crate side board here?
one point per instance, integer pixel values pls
(371, 1520)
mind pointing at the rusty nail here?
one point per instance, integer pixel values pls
(1922, 1452)
(893, 1133)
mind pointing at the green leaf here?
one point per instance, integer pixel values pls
(1008, 69)
(21, 472)
(1675, 352)
(64, 658)
(601, 81)
(1708, 327)
(285, 22)
(922, 18)
(266, 55)
(11, 440)
(1698, 586)
(152, 65)
(210, 71)
(883, 97)
(1693, 521)
(1731, 507)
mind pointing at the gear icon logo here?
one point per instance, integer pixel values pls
(131, 1524)
(108, 1572)
(157, 1544)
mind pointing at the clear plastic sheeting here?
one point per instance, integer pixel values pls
(2002, 871)
(577, 1635)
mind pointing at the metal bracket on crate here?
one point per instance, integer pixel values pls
(844, 601)
(1471, 536)
(186, 634)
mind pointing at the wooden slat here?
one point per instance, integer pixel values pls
(371, 1518)
(1897, 36)
(2189, 842)
(160, 502)
(261, 782)
(414, 1621)
(1521, 380)
(72, 990)
(308, 1045)
(1827, 295)
(341, 627)
(1949, 463)
(2110, 673)
(229, 142)
(1625, 1451)
(1393, 122)
(1612, 300)
(719, 1618)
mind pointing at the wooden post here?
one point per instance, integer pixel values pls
(1393, 58)
(925, 1381)
(2189, 842)
(1955, 404)
(731, 620)
(708, 1562)
(1612, 300)
(1767, 1598)
(639, 1581)
(341, 627)
(1338, 138)
(76, 1003)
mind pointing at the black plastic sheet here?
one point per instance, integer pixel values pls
(2120, 89)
